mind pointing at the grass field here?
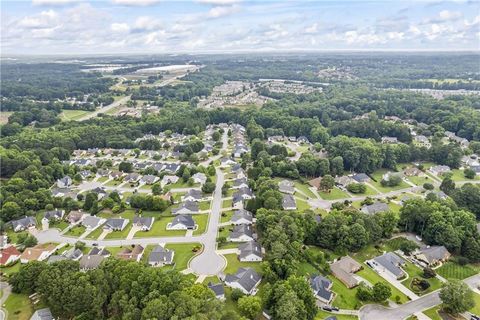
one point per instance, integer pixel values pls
(420, 180)
(415, 272)
(95, 233)
(227, 203)
(4, 116)
(233, 264)
(226, 216)
(458, 175)
(452, 270)
(76, 231)
(120, 234)
(18, 307)
(11, 269)
(204, 205)
(159, 229)
(69, 115)
(62, 224)
(302, 205)
(321, 315)
(183, 253)
(378, 176)
(201, 220)
(334, 194)
(476, 308)
(304, 188)
(432, 313)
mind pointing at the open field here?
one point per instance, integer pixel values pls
(452, 270)
(19, 307)
(69, 115)
(4, 116)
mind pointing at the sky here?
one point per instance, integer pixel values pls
(211, 26)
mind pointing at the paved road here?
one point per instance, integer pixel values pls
(106, 108)
(7, 289)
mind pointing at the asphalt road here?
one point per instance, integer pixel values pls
(105, 109)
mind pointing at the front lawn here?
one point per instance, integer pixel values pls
(452, 270)
(201, 220)
(302, 205)
(58, 224)
(304, 188)
(233, 264)
(11, 269)
(377, 175)
(226, 216)
(204, 205)
(102, 179)
(344, 298)
(95, 233)
(159, 229)
(18, 307)
(432, 313)
(120, 234)
(183, 253)
(415, 272)
(227, 203)
(76, 231)
(334, 194)
(420, 180)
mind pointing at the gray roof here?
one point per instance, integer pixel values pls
(321, 286)
(25, 222)
(91, 221)
(190, 205)
(91, 261)
(217, 288)
(435, 253)
(143, 221)
(73, 254)
(244, 191)
(196, 194)
(391, 262)
(239, 182)
(286, 186)
(360, 177)
(242, 214)
(251, 247)
(375, 208)
(184, 219)
(42, 314)
(247, 278)
(115, 223)
(57, 214)
(288, 201)
(240, 230)
(149, 178)
(160, 254)
(99, 252)
(56, 258)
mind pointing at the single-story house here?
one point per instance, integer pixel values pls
(132, 177)
(24, 223)
(288, 202)
(242, 216)
(96, 251)
(218, 290)
(160, 257)
(144, 223)
(343, 181)
(375, 208)
(167, 179)
(9, 255)
(53, 215)
(115, 224)
(250, 251)
(199, 177)
(64, 182)
(134, 253)
(439, 170)
(149, 179)
(38, 253)
(245, 193)
(286, 186)
(187, 207)
(42, 314)
(344, 270)
(321, 288)
(75, 216)
(361, 177)
(91, 222)
(412, 171)
(182, 222)
(246, 279)
(73, 254)
(241, 233)
(90, 262)
(240, 183)
(433, 255)
(390, 263)
(193, 195)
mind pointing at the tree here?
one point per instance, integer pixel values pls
(357, 187)
(237, 294)
(469, 173)
(429, 273)
(364, 293)
(381, 292)
(457, 297)
(447, 185)
(408, 246)
(90, 198)
(208, 187)
(157, 189)
(250, 306)
(327, 183)
(428, 186)
(125, 166)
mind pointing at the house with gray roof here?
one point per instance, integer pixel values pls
(237, 201)
(389, 140)
(182, 222)
(149, 179)
(246, 279)
(361, 177)
(90, 262)
(160, 257)
(144, 223)
(288, 202)
(286, 186)
(42, 314)
(64, 182)
(240, 183)
(92, 222)
(132, 177)
(375, 208)
(250, 251)
(73, 254)
(85, 174)
(53, 215)
(321, 288)
(115, 224)
(218, 289)
(242, 216)
(241, 233)
(244, 193)
(199, 177)
(433, 255)
(24, 223)
(193, 195)
(96, 251)
(439, 170)
(390, 263)
(187, 207)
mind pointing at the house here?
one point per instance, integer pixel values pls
(38, 253)
(64, 193)
(389, 140)
(115, 224)
(387, 176)
(103, 172)
(422, 141)
(149, 179)
(182, 222)
(167, 179)
(132, 177)
(187, 207)
(412, 172)
(361, 177)
(475, 169)
(134, 253)
(240, 183)
(288, 202)
(237, 201)
(218, 290)
(315, 182)
(53, 215)
(160, 257)
(471, 160)
(244, 193)
(344, 270)
(303, 139)
(199, 177)
(96, 251)
(74, 217)
(9, 255)
(42, 314)
(55, 258)
(250, 251)
(286, 186)
(246, 279)
(171, 167)
(225, 162)
(116, 175)
(73, 254)
(100, 192)
(439, 170)
(64, 182)
(193, 195)
(85, 174)
(275, 138)
(241, 233)
(375, 208)
(3, 241)
(23, 223)
(90, 262)
(433, 255)
(239, 151)
(241, 217)
(343, 181)
(391, 264)
(91, 222)
(321, 288)
(240, 173)
(144, 223)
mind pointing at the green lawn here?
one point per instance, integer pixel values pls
(344, 298)
(19, 307)
(114, 250)
(227, 203)
(304, 188)
(226, 216)
(95, 233)
(212, 279)
(372, 277)
(415, 272)
(476, 308)
(452, 270)
(183, 253)
(204, 205)
(76, 231)
(324, 315)
(159, 229)
(102, 179)
(11, 269)
(73, 114)
(13, 236)
(432, 313)
(201, 220)
(420, 180)
(120, 234)
(62, 224)
(459, 176)
(233, 264)
(334, 194)
(113, 183)
(378, 176)
(302, 205)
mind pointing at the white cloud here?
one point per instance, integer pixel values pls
(43, 20)
(312, 29)
(220, 11)
(53, 2)
(120, 27)
(450, 15)
(136, 3)
(219, 2)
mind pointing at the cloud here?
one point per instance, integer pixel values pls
(43, 20)
(145, 23)
(120, 27)
(53, 2)
(221, 11)
(219, 2)
(450, 15)
(311, 29)
(136, 3)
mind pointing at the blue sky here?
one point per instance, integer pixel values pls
(161, 26)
